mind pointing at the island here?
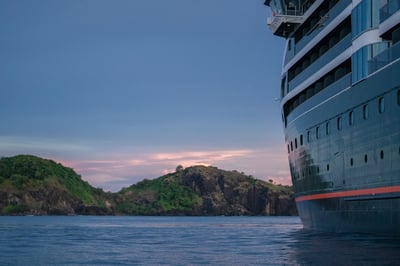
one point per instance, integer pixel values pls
(31, 185)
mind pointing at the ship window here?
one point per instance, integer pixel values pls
(365, 158)
(382, 154)
(317, 132)
(365, 112)
(288, 148)
(381, 103)
(301, 139)
(398, 97)
(327, 167)
(295, 143)
(291, 145)
(339, 123)
(327, 128)
(351, 118)
(308, 136)
(283, 86)
(317, 169)
(351, 161)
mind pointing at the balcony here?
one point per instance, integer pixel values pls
(309, 34)
(320, 62)
(389, 9)
(283, 25)
(326, 93)
(286, 15)
(384, 58)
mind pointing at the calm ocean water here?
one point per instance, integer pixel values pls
(85, 240)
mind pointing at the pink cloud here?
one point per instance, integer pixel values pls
(263, 164)
(112, 168)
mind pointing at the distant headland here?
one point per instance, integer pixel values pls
(30, 185)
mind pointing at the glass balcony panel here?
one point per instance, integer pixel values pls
(326, 93)
(382, 59)
(333, 13)
(321, 61)
(389, 9)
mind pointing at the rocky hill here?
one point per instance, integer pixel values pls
(32, 185)
(201, 190)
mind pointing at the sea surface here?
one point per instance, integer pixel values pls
(83, 240)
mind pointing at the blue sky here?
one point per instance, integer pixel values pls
(125, 90)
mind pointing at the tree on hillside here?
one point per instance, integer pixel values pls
(179, 168)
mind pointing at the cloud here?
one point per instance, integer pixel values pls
(126, 168)
(13, 145)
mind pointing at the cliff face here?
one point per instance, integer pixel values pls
(31, 185)
(211, 191)
(233, 193)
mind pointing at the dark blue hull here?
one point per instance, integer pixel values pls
(344, 154)
(373, 214)
(340, 102)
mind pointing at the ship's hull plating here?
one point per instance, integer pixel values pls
(347, 177)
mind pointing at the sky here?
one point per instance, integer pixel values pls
(122, 90)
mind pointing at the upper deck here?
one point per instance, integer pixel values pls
(332, 43)
(287, 15)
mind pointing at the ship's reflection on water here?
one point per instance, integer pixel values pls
(315, 248)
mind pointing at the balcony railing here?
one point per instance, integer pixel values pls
(320, 62)
(389, 9)
(384, 58)
(307, 38)
(286, 14)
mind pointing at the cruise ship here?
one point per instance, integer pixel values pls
(340, 103)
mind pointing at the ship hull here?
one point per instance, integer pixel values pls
(347, 177)
(379, 215)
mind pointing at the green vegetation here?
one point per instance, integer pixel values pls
(29, 171)
(14, 209)
(164, 195)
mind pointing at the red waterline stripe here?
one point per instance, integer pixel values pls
(349, 193)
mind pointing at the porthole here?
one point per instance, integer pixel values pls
(291, 145)
(317, 133)
(366, 158)
(308, 136)
(339, 123)
(288, 148)
(381, 105)
(382, 154)
(301, 140)
(365, 112)
(295, 143)
(351, 162)
(327, 167)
